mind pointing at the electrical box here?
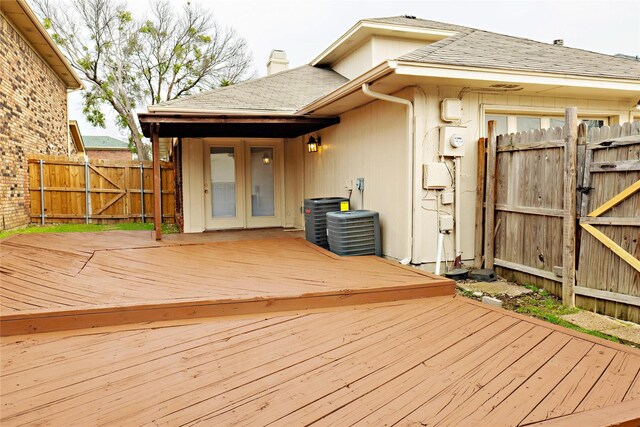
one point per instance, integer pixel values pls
(452, 141)
(451, 110)
(446, 198)
(348, 184)
(435, 176)
(360, 184)
(445, 223)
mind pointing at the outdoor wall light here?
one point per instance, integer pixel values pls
(313, 144)
(638, 106)
(266, 159)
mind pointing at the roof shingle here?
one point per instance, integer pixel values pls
(287, 91)
(478, 48)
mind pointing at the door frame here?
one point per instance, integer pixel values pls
(238, 221)
(243, 217)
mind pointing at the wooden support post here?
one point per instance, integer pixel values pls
(490, 201)
(157, 191)
(569, 223)
(479, 203)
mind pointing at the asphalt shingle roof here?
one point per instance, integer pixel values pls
(104, 142)
(287, 91)
(478, 48)
(418, 23)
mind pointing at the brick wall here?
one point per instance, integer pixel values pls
(33, 120)
(109, 154)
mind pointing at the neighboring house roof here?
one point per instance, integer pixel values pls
(284, 92)
(630, 57)
(477, 48)
(104, 143)
(27, 23)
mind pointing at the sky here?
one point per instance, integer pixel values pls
(304, 28)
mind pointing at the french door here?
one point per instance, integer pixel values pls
(242, 184)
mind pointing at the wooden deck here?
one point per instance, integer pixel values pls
(52, 282)
(433, 361)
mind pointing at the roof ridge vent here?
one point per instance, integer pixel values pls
(558, 42)
(409, 16)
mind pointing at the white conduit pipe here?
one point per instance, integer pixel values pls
(439, 254)
(457, 207)
(410, 163)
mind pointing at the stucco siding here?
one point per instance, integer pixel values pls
(391, 48)
(356, 62)
(474, 106)
(294, 149)
(371, 143)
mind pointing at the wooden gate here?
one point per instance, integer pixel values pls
(538, 190)
(608, 279)
(68, 190)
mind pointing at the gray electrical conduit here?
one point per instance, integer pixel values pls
(410, 160)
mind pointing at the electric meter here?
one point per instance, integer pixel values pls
(456, 140)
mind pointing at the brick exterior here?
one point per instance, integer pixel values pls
(109, 154)
(33, 120)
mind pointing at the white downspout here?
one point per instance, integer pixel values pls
(457, 224)
(410, 161)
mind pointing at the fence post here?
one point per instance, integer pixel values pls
(479, 244)
(569, 223)
(489, 218)
(86, 192)
(42, 191)
(142, 191)
(161, 192)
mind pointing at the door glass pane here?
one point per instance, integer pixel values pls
(262, 182)
(223, 182)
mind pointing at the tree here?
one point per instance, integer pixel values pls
(129, 63)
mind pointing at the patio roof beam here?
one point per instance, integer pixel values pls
(172, 125)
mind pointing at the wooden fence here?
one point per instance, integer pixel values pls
(537, 190)
(68, 190)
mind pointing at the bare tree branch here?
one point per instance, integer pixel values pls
(128, 63)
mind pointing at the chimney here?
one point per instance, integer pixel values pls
(277, 62)
(558, 42)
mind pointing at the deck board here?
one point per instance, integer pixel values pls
(77, 280)
(441, 360)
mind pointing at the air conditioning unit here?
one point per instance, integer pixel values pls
(315, 217)
(354, 233)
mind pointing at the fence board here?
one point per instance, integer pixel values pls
(528, 213)
(114, 191)
(529, 206)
